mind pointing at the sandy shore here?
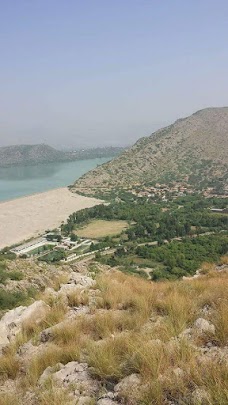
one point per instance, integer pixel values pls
(25, 217)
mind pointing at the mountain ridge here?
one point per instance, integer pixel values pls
(193, 147)
(41, 153)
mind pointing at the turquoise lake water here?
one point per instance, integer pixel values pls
(24, 180)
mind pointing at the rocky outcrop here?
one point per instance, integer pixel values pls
(75, 375)
(129, 387)
(200, 327)
(12, 322)
(77, 280)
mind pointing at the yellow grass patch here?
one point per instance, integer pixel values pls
(9, 366)
(101, 228)
(133, 327)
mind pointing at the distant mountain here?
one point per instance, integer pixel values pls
(108, 151)
(41, 153)
(193, 148)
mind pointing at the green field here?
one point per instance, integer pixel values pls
(101, 228)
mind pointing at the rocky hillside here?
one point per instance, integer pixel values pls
(29, 154)
(106, 338)
(194, 148)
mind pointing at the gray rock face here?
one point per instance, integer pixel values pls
(11, 323)
(46, 335)
(130, 387)
(130, 381)
(77, 281)
(73, 374)
(27, 351)
(204, 326)
(48, 372)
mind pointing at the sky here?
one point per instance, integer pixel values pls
(85, 73)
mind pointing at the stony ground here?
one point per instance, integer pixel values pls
(101, 337)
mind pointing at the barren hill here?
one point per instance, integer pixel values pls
(194, 148)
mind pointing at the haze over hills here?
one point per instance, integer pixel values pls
(41, 153)
(25, 154)
(194, 149)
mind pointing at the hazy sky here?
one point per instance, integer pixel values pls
(106, 72)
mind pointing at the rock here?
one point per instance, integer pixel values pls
(48, 372)
(204, 326)
(155, 342)
(201, 396)
(106, 401)
(51, 291)
(76, 374)
(178, 372)
(129, 387)
(46, 335)
(84, 400)
(214, 354)
(11, 323)
(108, 395)
(4, 340)
(28, 351)
(187, 333)
(80, 310)
(76, 281)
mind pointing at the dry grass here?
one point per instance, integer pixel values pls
(95, 327)
(119, 291)
(135, 328)
(176, 305)
(206, 267)
(101, 228)
(31, 328)
(55, 396)
(9, 366)
(51, 356)
(58, 280)
(220, 320)
(107, 357)
(223, 260)
(77, 297)
(8, 399)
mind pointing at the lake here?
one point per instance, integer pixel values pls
(19, 181)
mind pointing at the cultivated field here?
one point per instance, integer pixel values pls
(101, 228)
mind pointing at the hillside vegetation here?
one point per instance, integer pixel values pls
(120, 339)
(193, 149)
(142, 321)
(165, 239)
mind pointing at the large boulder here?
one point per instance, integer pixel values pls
(75, 375)
(12, 322)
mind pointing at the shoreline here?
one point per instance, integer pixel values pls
(29, 216)
(32, 194)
